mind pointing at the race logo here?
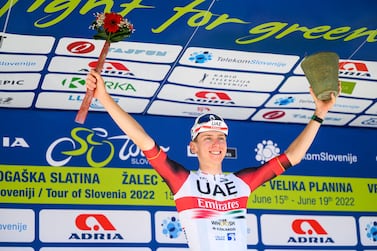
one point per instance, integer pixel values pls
(309, 231)
(94, 227)
(96, 147)
(266, 150)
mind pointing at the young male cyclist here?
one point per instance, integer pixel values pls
(212, 205)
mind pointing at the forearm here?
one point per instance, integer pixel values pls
(298, 148)
(127, 123)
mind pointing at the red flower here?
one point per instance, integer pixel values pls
(112, 21)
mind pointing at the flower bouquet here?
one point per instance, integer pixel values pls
(110, 27)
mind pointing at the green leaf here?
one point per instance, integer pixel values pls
(102, 36)
(117, 37)
(124, 32)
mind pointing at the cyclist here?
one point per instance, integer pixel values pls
(211, 204)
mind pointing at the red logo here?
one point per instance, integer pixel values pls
(307, 226)
(207, 97)
(100, 219)
(80, 47)
(352, 66)
(110, 66)
(213, 95)
(273, 115)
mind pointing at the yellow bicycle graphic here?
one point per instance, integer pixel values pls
(92, 143)
(82, 146)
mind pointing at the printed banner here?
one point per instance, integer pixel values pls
(142, 187)
(65, 186)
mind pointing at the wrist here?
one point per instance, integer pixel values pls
(317, 118)
(320, 113)
(105, 97)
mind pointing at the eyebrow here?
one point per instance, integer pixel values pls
(216, 134)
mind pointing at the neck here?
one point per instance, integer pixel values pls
(214, 170)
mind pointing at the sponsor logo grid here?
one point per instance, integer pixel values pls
(65, 207)
(106, 227)
(204, 77)
(143, 226)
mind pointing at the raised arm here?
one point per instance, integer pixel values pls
(125, 121)
(298, 148)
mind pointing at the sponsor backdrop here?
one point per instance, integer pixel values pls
(69, 186)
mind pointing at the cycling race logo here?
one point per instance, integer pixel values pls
(171, 227)
(200, 57)
(96, 146)
(266, 151)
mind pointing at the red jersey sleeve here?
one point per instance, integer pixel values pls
(172, 172)
(255, 177)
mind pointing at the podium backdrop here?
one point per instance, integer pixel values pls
(69, 186)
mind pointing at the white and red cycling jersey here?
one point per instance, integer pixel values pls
(212, 208)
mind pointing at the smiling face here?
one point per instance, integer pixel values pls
(210, 147)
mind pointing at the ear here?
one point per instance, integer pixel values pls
(193, 148)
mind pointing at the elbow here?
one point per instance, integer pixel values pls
(293, 159)
(295, 162)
